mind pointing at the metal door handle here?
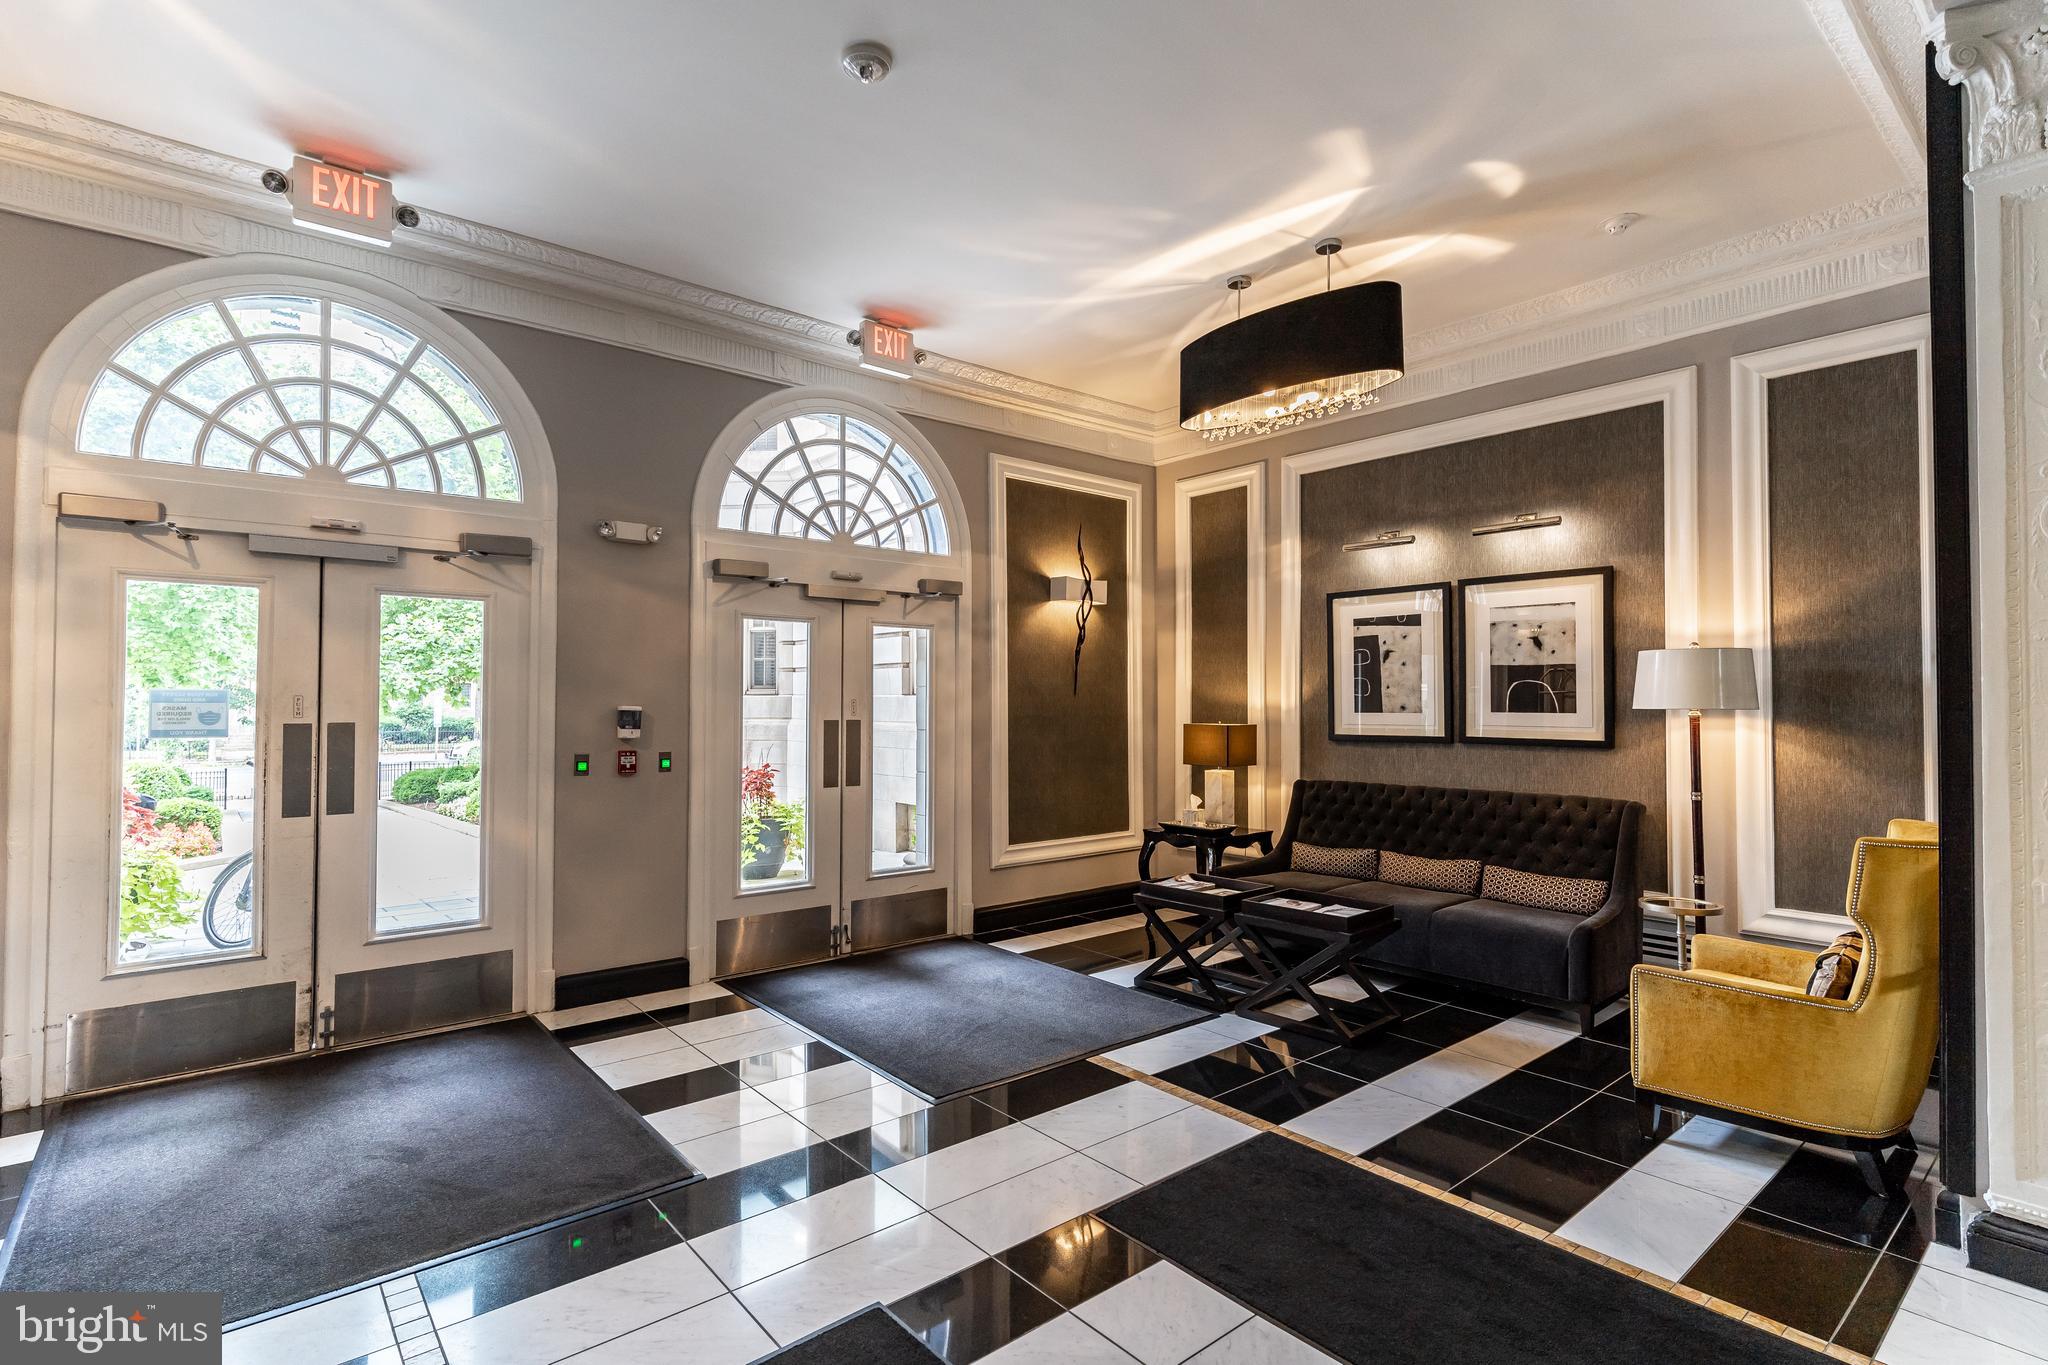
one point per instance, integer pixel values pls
(853, 753)
(831, 766)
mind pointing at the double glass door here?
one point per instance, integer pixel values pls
(834, 733)
(288, 800)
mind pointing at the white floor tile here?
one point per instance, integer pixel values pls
(1235, 1029)
(687, 1122)
(1976, 1305)
(607, 1050)
(1444, 1077)
(1120, 975)
(21, 1148)
(586, 1014)
(1259, 1342)
(652, 1066)
(757, 1247)
(325, 1334)
(717, 1153)
(1101, 1117)
(570, 1317)
(1173, 1143)
(859, 1109)
(1162, 1315)
(1518, 1041)
(1066, 1340)
(720, 1332)
(953, 1172)
(1914, 1340)
(1651, 1224)
(1154, 1055)
(682, 995)
(1023, 1206)
(738, 1045)
(1951, 1260)
(1364, 1118)
(748, 1020)
(1718, 1159)
(810, 1087)
(879, 1269)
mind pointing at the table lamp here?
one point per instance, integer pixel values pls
(1695, 680)
(1220, 748)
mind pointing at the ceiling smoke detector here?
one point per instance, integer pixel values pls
(1620, 223)
(867, 63)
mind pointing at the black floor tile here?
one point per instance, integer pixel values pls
(1870, 1317)
(1444, 1148)
(1607, 1127)
(1803, 1278)
(786, 1062)
(737, 1195)
(475, 1284)
(1031, 1096)
(964, 1317)
(1822, 1188)
(1072, 956)
(1614, 1031)
(1444, 1025)
(1238, 1064)
(1521, 1101)
(920, 1134)
(1373, 1056)
(1582, 1061)
(1125, 945)
(1496, 1006)
(1540, 1182)
(18, 1121)
(12, 1180)
(705, 1083)
(1915, 1232)
(695, 1010)
(599, 1029)
(1289, 1094)
(1077, 1260)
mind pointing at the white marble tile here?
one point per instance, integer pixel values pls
(1154, 1055)
(1122, 974)
(325, 1334)
(20, 1149)
(1066, 1340)
(682, 995)
(721, 1332)
(586, 1014)
(1364, 1118)
(570, 1317)
(749, 1020)
(1719, 1159)
(1162, 1315)
(953, 1172)
(1101, 1117)
(687, 1122)
(652, 1066)
(606, 1050)
(717, 1153)
(860, 1109)
(757, 1247)
(1259, 1342)
(1518, 1041)
(879, 1269)
(1023, 1206)
(1444, 1077)
(1235, 1029)
(738, 1045)
(1976, 1305)
(1173, 1143)
(1953, 1261)
(811, 1087)
(1651, 1224)
(1914, 1340)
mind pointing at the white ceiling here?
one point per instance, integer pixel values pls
(1052, 187)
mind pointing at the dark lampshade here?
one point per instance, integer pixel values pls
(1219, 746)
(1346, 338)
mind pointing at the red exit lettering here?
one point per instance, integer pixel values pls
(340, 191)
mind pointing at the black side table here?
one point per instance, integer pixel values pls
(1208, 842)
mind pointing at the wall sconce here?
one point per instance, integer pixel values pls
(1068, 588)
(1527, 521)
(1382, 541)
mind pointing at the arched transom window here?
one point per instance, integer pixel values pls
(823, 475)
(299, 387)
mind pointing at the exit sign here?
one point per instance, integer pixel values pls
(336, 199)
(891, 350)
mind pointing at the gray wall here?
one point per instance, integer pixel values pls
(1605, 476)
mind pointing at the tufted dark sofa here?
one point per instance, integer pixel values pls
(1544, 956)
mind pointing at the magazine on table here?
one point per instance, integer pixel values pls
(1290, 903)
(1186, 882)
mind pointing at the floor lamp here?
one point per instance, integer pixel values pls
(1695, 680)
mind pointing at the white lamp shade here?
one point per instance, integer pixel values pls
(1695, 680)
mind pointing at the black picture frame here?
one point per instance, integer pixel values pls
(1446, 616)
(1475, 733)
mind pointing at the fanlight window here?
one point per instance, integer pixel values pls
(825, 475)
(295, 387)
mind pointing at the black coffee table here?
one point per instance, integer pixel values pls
(1183, 969)
(1290, 948)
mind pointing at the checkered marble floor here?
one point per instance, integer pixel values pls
(830, 1188)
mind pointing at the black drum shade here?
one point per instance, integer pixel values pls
(1316, 355)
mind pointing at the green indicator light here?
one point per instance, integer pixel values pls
(667, 763)
(582, 765)
(575, 1241)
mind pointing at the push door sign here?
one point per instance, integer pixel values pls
(188, 713)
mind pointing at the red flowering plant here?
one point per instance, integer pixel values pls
(759, 808)
(152, 887)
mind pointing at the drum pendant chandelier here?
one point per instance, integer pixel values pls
(1315, 357)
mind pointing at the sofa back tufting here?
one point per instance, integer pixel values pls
(1558, 836)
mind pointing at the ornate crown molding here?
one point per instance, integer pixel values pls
(1878, 44)
(2000, 52)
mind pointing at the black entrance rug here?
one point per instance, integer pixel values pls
(869, 1337)
(1370, 1270)
(283, 1182)
(950, 1016)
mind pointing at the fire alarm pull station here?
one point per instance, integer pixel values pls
(629, 762)
(629, 721)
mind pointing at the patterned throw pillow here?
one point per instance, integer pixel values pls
(1431, 874)
(1359, 864)
(1573, 895)
(1835, 970)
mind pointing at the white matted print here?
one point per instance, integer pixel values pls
(1389, 663)
(1538, 656)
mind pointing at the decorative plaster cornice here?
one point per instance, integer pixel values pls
(2000, 51)
(1878, 44)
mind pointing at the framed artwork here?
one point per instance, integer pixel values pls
(1537, 656)
(1390, 663)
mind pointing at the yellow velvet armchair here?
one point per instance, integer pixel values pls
(1737, 1037)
